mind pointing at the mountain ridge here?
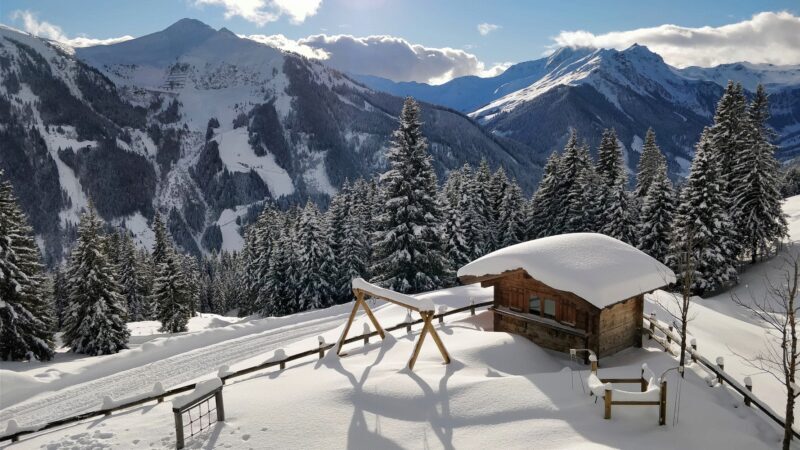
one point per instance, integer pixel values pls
(208, 129)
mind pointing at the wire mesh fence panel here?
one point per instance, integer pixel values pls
(199, 418)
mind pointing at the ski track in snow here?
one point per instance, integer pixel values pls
(171, 372)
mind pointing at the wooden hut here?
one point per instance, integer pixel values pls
(581, 290)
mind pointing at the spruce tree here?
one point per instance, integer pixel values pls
(162, 241)
(650, 165)
(619, 223)
(498, 186)
(610, 165)
(409, 250)
(355, 248)
(276, 294)
(337, 215)
(655, 221)
(701, 219)
(131, 281)
(757, 202)
(512, 219)
(568, 196)
(316, 261)
(171, 293)
(544, 205)
(728, 145)
(26, 317)
(96, 315)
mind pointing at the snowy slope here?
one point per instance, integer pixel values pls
(500, 391)
(725, 329)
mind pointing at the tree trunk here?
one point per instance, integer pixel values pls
(787, 430)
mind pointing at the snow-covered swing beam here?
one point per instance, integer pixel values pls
(425, 308)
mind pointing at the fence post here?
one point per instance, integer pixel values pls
(694, 349)
(321, 346)
(408, 321)
(607, 399)
(748, 384)
(178, 429)
(220, 406)
(662, 406)
(593, 362)
(366, 333)
(472, 307)
(643, 381)
(721, 364)
(442, 309)
(652, 325)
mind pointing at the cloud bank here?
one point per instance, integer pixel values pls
(261, 12)
(386, 56)
(767, 37)
(47, 30)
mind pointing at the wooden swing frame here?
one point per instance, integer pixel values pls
(427, 324)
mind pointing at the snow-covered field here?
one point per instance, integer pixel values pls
(500, 391)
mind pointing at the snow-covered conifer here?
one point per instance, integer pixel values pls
(172, 294)
(26, 316)
(655, 220)
(512, 216)
(610, 165)
(757, 202)
(650, 165)
(95, 320)
(408, 250)
(162, 241)
(544, 205)
(316, 261)
(701, 219)
(131, 281)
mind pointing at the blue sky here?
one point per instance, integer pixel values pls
(520, 30)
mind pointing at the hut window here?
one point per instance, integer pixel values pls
(550, 308)
(533, 304)
(568, 314)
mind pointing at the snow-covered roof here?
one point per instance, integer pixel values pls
(595, 267)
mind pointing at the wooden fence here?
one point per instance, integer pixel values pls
(716, 369)
(281, 363)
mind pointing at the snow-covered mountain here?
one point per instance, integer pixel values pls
(201, 125)
(536, 102)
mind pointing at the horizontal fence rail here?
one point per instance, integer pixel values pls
(14, 437)
(715, 369)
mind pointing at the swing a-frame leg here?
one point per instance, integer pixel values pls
(427, 327)
(360, 302)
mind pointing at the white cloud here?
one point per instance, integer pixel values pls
(282, 42)
(47, 30)
(768, 37)
(262, 12)
(486, 28)
(397, 59)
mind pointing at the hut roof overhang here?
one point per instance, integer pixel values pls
(600, 269)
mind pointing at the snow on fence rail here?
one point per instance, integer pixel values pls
(13, 432)
(717, 369)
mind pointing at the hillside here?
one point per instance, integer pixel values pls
(202, 126)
